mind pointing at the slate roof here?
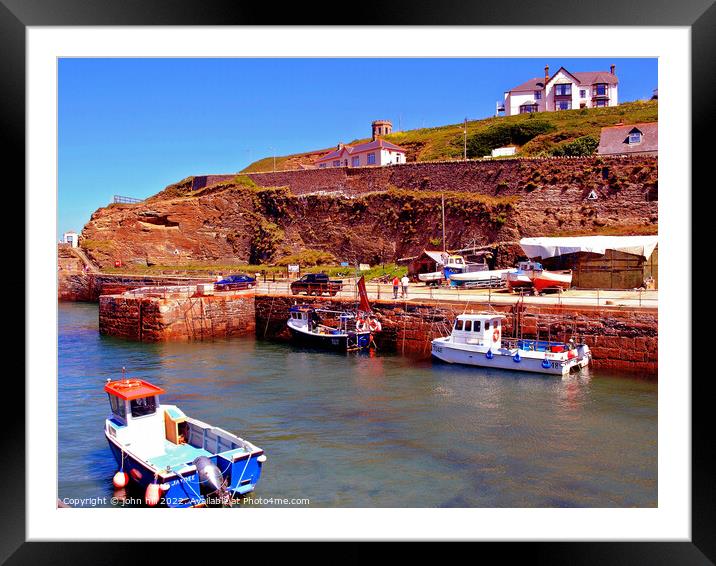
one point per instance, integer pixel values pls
(615, 139)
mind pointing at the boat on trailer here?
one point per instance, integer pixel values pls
(476, 340)
(179, 461)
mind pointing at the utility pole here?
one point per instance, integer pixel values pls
(464, 155)
(442, 197)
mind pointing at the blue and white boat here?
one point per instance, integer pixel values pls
(347, 332)
(476, 340)
(179, 461)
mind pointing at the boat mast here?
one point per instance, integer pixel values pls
(442, 198)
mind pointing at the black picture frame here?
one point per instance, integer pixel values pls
(699, 15)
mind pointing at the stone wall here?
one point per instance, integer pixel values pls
(177, 316)
(79, 286)
(620, 338)
(492, 177)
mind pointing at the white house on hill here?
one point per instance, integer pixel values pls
(375, 152)
(562, 91)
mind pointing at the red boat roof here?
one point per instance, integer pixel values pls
(132, 388)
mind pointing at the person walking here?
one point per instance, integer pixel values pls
(404, 282)
(396, 286)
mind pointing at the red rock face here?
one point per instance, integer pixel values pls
(375, 214)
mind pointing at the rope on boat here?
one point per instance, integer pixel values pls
(241, 477)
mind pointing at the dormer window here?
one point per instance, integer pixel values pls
(635, 136)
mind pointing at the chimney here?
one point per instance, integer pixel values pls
(546, 74)
(611, 69)
(339, 147)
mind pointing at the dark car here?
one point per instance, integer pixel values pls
(316, 284)
(234, 282)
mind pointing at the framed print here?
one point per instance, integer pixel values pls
(395, 280)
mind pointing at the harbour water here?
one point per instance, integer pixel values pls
(372, 431)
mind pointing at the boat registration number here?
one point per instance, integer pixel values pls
(437, 349)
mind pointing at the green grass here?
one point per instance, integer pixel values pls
(446, 142)
(207, 270)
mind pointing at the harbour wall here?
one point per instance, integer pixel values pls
(623, 338)
(79, 286)
(177, 316)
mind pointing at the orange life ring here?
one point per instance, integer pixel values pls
(495, 335)
(127, 384)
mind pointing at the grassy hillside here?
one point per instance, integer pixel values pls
(568, 132)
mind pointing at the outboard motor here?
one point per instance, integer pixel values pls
(211, 481)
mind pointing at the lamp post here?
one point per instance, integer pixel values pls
(464, 155)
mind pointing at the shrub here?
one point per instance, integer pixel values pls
(586, 145)
(498, 135)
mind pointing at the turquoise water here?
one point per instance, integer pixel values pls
(382, 431)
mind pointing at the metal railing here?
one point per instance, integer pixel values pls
(608, 298)
(118, 199)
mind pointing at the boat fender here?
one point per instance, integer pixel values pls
(546, 364)
(120, 479)
(210, 476)
(516, 358)
(375, 325)
(489, 355)
(495, 335)
(152, 495)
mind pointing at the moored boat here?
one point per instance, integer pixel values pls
(179, 461)
(347, 332)
(476, 339)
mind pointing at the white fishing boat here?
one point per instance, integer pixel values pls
(493, 277)
(476, 339)
(432, 277)
(521, 278)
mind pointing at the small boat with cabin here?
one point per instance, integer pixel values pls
(179, 461)
(332, 330)
(476, 340)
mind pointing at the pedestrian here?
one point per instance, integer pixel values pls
(396, 286)
(404, 282)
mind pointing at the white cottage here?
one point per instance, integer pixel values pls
(562, 91)
(375, 152)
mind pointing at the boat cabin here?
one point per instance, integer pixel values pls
(484, 329)
(138, 419)
(529, 266)
(312, 320)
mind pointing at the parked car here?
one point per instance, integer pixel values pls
(235, 282)
(316, 284)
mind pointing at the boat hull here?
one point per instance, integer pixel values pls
(335, 342)
(184, 489)
(449, 352)
(552, 280)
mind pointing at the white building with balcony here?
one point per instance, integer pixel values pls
(562, 91)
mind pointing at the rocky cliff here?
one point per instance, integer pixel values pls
(376, 214)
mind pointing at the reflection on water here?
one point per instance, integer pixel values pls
(373, 431)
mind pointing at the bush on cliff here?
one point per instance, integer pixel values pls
(502, 134)
(266, 238)
(586, 145)
(308, 258)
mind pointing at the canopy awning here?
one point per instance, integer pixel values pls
(551, 247)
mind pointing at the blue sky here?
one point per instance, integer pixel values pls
(133, 126)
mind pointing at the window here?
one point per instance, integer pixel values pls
(371, 159)
(468, 326)
(563, 89)
(582, 93)
(528, 108)
(564, 105)
(144, 406)
(601, 89)
(322, 165)
(601, 103)
(355, 161)
(635, 137)
(458, 324)
(336, 164)
(538, 95)
(476, 326)
(118, 407)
